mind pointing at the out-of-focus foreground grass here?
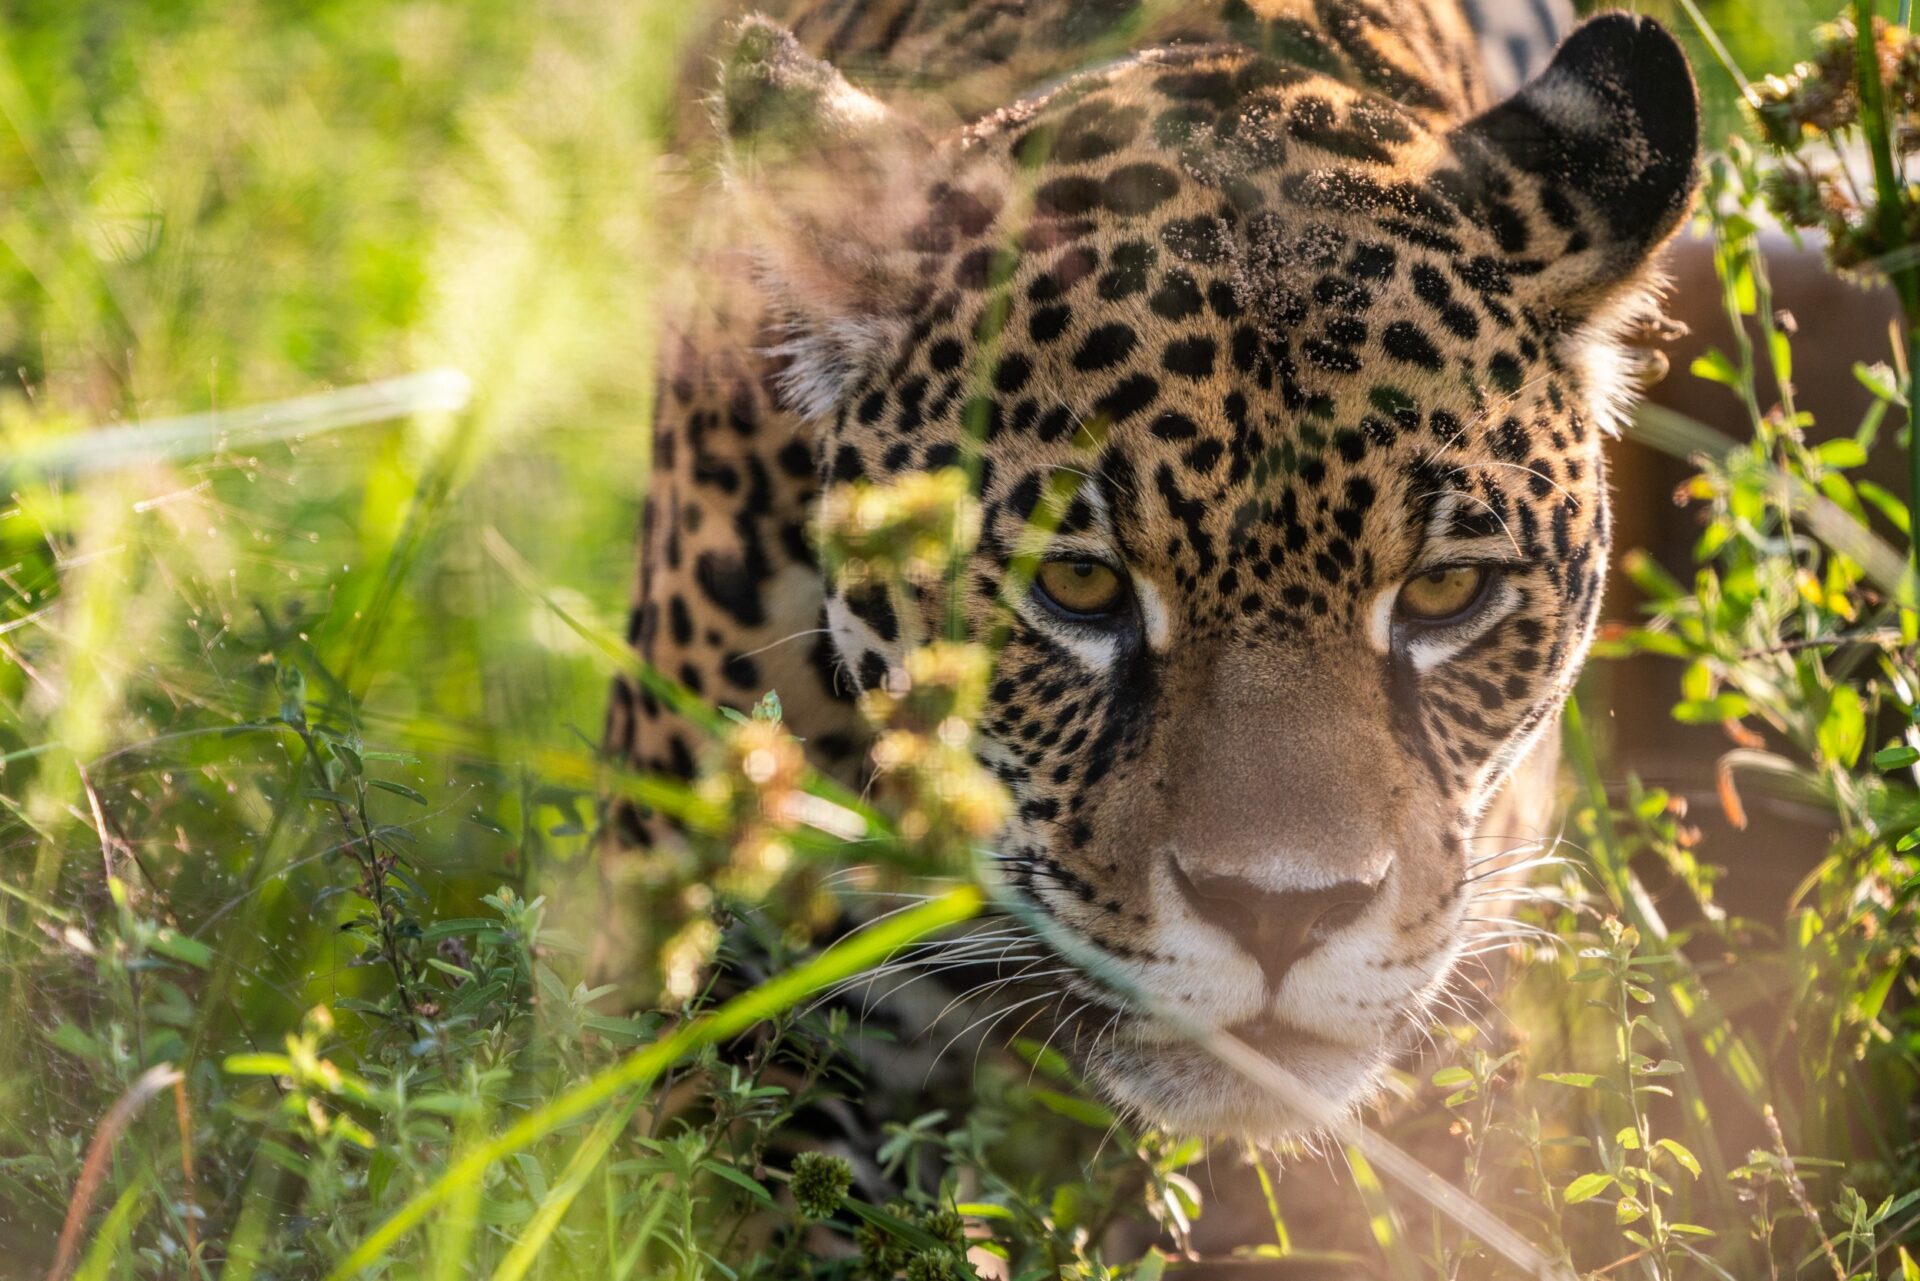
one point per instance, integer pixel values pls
(206, 206)
(237, 677)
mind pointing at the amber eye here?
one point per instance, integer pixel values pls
(1442, 594)
(1080, 586)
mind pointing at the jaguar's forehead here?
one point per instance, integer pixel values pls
(1272, 311)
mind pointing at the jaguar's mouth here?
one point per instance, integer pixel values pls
(1170, 1078)
(1278, 1039)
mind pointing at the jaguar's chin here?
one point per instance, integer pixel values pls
(1291, 1084)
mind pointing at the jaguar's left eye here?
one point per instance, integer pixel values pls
(1083, 588)
(1441, 595)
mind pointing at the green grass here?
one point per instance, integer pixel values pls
(298, 773)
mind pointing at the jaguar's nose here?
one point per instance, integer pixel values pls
(1275, 927)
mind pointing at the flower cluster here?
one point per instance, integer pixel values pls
(923, 718)
(751, 797)
(755, 779)
(885, 1256)
(907, 531)
(1818, 101)
(820, 1184)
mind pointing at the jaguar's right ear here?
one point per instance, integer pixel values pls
(828, 182)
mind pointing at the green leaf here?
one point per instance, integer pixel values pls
(70, 1038)
(1696, 683)
(258, 1065)
(1716, 368)
(895, 1226)
(1586, 1187)
(1843, 730)
(1578, 1080)
(1447, 1078)
(1724, 707)
(398, 789)
(1881, 381)
(1085, 1111)
(739, 1179)
(1887, 504)
(448, 968)
(188, 951)
(1895, 757)
(1843, 451)
(1676, 1150)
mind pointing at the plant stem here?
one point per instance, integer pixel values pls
(1913, 453)
(1890, 210)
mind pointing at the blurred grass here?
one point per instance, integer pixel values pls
(211, 205)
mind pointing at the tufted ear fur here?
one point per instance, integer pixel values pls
(1611, 130)
(822, 175)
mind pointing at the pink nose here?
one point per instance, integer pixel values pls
(1275, 927)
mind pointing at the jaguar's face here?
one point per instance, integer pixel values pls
(1286, 405)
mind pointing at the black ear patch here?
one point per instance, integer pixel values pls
(1615, 119)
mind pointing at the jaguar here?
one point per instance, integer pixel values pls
(1298, 328)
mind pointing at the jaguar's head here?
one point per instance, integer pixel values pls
(1299, 393)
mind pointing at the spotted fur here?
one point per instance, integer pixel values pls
(1303, 312)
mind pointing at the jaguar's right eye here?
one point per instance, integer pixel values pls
(1081, 589)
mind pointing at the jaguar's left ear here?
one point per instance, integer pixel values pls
(1609, 134)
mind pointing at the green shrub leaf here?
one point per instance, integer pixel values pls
(1586, 1187)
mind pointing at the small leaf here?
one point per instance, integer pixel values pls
(1586, 1187)
(1578, 1080)
(1447, 1078)
(1085, 1111)
(76, 1042)
(1679, 1153)
(398, 789)
(1879, 379)
(1696, 683)
(1843, 730)
(739, 1179)
(1727, 706)
(190, 951)
(1887, 504)
(1895, 757)
(1841, 452)
(1716, 368)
